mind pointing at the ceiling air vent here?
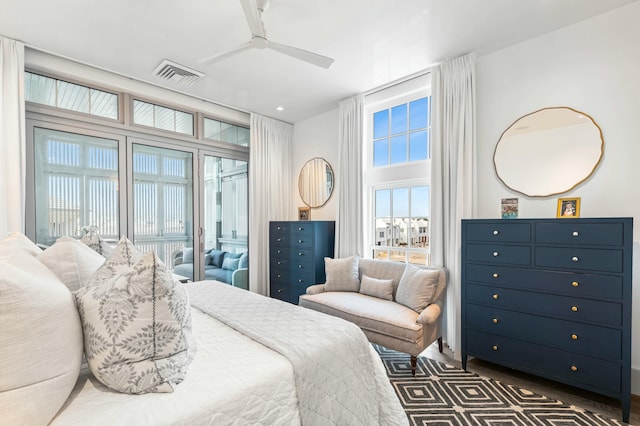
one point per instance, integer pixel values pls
(177, 73)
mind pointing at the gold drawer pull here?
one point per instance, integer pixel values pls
(279, 290)
(300, 254)
(494, 347)
(574, 259)
(301, 280)
(300, 228)
(496, 254)
(300, 241)
(279, 276)
(299, 266)
(575, 283)
(574, 337)
(575, 233)
(496, 275)
(574, 308)
(496, 232)
(495, 320)
(495, 296)
(574, 368)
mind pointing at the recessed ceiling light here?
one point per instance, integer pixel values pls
(280, 108)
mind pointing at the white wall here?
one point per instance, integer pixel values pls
(316, 137)
(594, 67)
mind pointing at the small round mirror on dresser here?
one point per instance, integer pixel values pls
(315, 182)
(548, 152)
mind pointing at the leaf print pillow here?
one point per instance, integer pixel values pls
(137, 328)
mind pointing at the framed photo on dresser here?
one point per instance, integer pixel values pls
(568, 207)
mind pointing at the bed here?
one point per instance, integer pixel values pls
(239, 358)
(257, 361)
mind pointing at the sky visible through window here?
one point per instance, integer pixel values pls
(400, 133)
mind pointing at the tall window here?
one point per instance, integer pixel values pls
(397, 171)
(137, 175)
(76, 181)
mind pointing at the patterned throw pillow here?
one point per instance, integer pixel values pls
(417, 287)
(342, 274)
(382, 289)
(124, 255)
(137, 328)
(94, 241)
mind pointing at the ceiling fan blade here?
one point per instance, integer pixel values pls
(250, 8)
(312, 58)
(222, 55)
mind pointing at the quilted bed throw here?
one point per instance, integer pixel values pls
(331, 358)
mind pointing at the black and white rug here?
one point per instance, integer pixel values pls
(442, 394)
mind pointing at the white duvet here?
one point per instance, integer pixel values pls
(238, 380)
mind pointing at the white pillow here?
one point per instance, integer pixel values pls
(137, 328)
(341, 274)
(40, 341)
(72, 261)
(382, 289)
(417, 287)
(18, 240)
(124, 255)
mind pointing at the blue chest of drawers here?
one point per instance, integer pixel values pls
(297, 251)
(551, 297)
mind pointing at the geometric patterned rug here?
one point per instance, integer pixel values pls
(442, 394)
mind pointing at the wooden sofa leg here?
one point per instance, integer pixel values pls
(440, 344)
(414, 363)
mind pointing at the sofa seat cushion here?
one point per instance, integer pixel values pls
(369, 313)
(218, 274)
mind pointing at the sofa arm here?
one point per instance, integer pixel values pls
(315, 289)
(240, 278)
(429, 315)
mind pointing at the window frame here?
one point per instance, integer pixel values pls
(407, 174)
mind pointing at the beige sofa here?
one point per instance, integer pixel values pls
(385, 322)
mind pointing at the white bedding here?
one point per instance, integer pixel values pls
(232, 380)
(318, 371)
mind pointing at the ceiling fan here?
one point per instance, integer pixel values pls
(253, 10)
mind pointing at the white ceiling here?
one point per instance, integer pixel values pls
(373, 41)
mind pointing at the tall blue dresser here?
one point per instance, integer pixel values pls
(297, 251)
(551, 297)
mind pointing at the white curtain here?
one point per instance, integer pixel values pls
(12, 137)
(349, 237)
(269, 191)
(452, 175)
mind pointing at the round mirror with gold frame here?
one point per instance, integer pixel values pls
(316, 182)
(548, 152)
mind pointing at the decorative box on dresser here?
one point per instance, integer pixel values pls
(297, 251)
(551, 297)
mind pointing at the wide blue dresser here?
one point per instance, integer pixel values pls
(551, 297)
(296, 252)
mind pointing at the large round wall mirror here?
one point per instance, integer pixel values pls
(315, 182)
(548, 152)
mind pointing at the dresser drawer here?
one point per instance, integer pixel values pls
(302, 228)
(581, 338)
(569, 283)
(279, 239)
(572, 368)
(565, 307)
(497, 253)
(280, 276)
(499, 232)
(301, 241)
(304, 280)
(603, 234)
(579, 258)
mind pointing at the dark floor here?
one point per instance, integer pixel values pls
(587, 400)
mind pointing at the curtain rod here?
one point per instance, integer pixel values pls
(399, 81)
